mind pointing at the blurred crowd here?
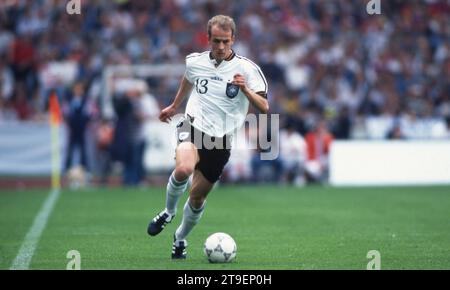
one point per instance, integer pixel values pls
(329, 64)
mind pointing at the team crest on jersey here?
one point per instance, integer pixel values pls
(232, 90)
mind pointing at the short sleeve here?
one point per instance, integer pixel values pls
(256, 80)
(188, 71)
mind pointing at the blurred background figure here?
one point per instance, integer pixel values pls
(134, 108)
(395, 133)
(123, 144)
(23, 60)
(146, 109)
(268, 170)
(105, 136)
(318, 143)
(21, 105)
(292, 155)
(238, 169)
(78, 111)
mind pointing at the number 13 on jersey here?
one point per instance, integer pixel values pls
(201, 86)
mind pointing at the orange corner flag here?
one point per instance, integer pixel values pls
(55, 121)
(55, 110)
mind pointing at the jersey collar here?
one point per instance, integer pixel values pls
(232, 55)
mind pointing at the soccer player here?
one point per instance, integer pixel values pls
(221, 84)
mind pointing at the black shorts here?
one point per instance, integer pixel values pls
(213, 152)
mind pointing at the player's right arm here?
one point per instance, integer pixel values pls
(168, 112)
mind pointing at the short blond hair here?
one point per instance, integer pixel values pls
(224, 22)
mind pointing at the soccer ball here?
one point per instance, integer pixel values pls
(220, 248)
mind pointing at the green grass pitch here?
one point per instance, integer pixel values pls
(275, 227)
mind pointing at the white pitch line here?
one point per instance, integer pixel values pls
(26, 252)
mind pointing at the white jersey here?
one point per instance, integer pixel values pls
(215, 106)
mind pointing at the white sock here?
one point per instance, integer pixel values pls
(191, 216)
(175, 189)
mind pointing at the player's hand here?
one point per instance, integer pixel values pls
(239, 80)
(167, 114)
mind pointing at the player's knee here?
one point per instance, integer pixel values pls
(197, 201)
(183, 171)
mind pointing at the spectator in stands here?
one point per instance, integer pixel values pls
(22, 57)
(395, 133)
(6, 80)
(342, 124)
(447, 123)
(21, 105)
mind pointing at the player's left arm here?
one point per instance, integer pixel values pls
(258, 99)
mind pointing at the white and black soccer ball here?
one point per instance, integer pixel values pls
(220, 248)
